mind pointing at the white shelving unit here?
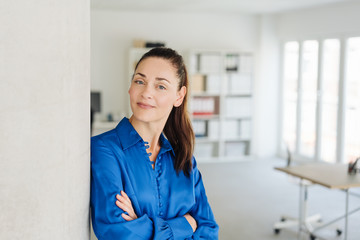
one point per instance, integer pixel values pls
(221, 103)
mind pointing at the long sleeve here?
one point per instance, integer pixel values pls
(201, 212)
(107, 180)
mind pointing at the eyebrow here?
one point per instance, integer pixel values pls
(158, 78)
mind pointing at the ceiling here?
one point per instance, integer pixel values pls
(229, 6)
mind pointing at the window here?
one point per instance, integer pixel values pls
(352, 100)
(308, 91)
(329, 99)
(313, 100)
(291, 63)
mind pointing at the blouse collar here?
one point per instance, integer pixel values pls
(128, 136)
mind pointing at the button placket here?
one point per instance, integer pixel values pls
(158, 173)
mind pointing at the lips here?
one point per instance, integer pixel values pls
(144, 105)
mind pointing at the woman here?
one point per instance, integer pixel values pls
(145, 183)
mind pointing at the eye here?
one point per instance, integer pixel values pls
(162, 87)
(140, 82)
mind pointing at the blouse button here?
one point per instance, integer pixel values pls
(161, 213)
(160, 204)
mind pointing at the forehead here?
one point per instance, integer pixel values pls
(157, 67)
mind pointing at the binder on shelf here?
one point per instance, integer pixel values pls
(213, 83)
(204, 150)
(231, 129)
(209, 63)
(203, 106)
(232, 62)
(213, 129)
(200, 128)
(235, 149)
(246, 63)
(239, 83)
(238, 107)
(245, 129)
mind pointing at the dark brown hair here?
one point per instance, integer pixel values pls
(178, 129)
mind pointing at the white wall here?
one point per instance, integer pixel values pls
(333, 20)
(44, 119)
(266, 89)
(112, 33)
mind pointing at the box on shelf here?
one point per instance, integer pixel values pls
(198, 84)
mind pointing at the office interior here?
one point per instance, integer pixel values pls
(45, 120)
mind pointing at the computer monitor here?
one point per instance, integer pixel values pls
(95, 101)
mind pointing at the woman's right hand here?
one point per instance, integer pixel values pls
(191, 221)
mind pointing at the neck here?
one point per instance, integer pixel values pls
(149, 132)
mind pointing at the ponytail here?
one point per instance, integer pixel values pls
(178, 129)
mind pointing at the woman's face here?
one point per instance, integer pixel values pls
(154, 90)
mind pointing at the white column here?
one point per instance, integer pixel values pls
(44, 119)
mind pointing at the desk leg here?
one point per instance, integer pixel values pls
(346, 214)
(302, 199)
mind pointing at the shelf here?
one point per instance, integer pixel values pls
(226, 133)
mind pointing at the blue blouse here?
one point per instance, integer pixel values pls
(160, 196)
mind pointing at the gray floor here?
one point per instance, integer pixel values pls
(248, 197)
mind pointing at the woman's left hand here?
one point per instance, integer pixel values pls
(124, 202)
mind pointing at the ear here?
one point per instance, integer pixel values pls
(180, 96)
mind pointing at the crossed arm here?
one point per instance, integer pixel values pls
(124, 203)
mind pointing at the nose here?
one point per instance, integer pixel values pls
(147, 92)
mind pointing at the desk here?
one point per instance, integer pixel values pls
(333, 176)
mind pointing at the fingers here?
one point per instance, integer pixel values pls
(124, 203)
(191, 221)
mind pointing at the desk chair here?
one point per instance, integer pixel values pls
(309, 222)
